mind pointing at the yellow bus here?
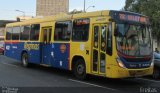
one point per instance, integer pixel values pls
(113, 44)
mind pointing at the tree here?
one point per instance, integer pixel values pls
(150, 8)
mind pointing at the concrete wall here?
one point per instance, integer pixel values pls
(51, 7)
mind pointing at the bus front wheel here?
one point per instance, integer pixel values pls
(25, 59)
(80, 69)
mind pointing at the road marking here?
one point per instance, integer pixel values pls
(9, 64)
(92, 84)
(148, 80)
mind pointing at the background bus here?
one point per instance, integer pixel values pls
(112, 44)
(1, 44)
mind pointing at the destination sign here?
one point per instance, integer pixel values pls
(134, 18)
(82, 21)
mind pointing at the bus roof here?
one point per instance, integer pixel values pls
(64, 16)
(60, 17)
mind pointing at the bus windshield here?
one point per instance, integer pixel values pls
(133, 40)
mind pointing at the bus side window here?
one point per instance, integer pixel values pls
(109, 39)
(34, 34)
(80, 29)
(25, 30)
(62, 31)
(16, 33)
(9, 33)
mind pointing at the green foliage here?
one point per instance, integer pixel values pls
(150, 8)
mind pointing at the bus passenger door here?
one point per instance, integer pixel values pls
(99, 49)
(46, 45)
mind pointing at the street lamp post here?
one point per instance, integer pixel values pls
(21, 12)
(89, 7)
(84, 6)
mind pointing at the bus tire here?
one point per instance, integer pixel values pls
(79, 69)
(24, 59)
(156, 73)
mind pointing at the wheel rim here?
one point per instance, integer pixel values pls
(80, 69)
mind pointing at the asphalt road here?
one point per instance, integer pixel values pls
(38, 79)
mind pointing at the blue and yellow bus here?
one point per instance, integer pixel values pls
(113, 44)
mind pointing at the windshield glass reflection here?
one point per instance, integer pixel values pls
(133, 40)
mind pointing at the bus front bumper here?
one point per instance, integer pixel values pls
(118, 72)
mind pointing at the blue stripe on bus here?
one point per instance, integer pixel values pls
(55, 55)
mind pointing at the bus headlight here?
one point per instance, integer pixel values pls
(120, 62)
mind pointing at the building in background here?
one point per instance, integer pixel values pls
(51, 7)
(3, 24)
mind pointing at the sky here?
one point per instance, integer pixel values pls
(8, 7)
